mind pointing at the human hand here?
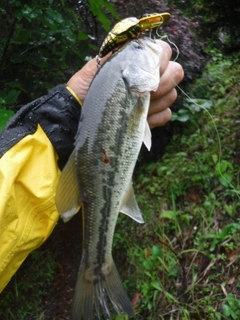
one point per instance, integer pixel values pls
(81, 80)
(171, 73)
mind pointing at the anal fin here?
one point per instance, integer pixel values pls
(147, 139)
(68, 191)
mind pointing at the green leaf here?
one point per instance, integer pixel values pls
(168, 215)
(174, 116)
(96, 8)
(30, 13)
(156, 285)
(234, 315)
(4, 116)
(82, 35)
(226, 179)
(148, 274)
(229, 209)
(223, 165)
(226, 310)
(182, 115)
(215, 158)
(233, 302)
(183, 118)
(222, 90)
(148, 264)
(145, 289)
(149, 305)
(156, 251)
(110, 8)
(9, 97)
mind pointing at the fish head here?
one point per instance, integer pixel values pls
(141, 65)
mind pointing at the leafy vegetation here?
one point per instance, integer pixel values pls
(41, 44)
(4, 116)
(218, 21)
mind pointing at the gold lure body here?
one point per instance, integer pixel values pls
(130, 28)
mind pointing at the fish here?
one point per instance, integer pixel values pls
(98, 175)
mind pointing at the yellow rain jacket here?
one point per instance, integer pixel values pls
(35, 143)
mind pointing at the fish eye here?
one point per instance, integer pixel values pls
(136, 45)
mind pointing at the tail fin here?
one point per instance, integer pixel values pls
(90, 293)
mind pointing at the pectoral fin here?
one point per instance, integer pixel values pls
(147, 139)
(68, 191)
(130, 206)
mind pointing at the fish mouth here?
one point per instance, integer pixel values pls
(149, 67)
(151, 44)
(147, 42)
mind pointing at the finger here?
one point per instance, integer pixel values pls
(159, 119)
(165, 55)
(90, 68)
(172, 76)
(159, 105)
(81, 80)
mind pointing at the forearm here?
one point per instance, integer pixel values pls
(57, 113)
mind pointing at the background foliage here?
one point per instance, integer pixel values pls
(43, 42)
(40, 43)
(219, 23)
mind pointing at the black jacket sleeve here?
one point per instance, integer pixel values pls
(57, 113)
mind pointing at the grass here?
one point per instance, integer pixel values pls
(23, 297)
(183, 263)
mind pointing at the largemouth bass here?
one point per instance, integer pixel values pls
(98, 175)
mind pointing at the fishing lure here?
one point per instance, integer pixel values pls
(130, 28)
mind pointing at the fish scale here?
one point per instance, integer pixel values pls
(117, 174)
(99, 172)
